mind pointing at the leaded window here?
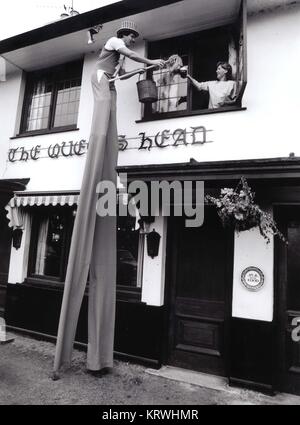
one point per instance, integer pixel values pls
(52, 99)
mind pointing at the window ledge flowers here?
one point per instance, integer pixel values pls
(236, 208)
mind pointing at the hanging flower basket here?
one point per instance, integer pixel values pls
(236, 209)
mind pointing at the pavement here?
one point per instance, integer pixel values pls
(25, 379)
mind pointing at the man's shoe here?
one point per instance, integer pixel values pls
(99, 373)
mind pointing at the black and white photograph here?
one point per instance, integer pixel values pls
(149, 205)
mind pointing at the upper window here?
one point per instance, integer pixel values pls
(52, 99)
(201, 54)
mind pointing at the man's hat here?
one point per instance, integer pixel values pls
(128, 25)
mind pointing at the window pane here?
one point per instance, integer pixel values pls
(50, 241)
(200, 52)
(127, 252)
(66, 111)
(39, 106)
(52, 98)
(51, 233)
(172, 90)
(49, 245)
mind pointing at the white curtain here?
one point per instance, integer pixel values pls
(232, 57)
(37, 107)
(41, 247)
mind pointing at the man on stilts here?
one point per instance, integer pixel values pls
(93, 247)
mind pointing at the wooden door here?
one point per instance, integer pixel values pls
(200, 280)
(287, 305)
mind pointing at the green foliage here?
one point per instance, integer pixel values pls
(236, 208)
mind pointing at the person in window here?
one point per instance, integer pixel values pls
(93, 248)
(222, 91)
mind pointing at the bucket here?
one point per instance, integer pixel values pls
(147, 91)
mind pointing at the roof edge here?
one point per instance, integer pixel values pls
(80, 22)
(285, 167)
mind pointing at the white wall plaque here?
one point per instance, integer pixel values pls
(252, 278)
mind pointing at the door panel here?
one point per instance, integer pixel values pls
(199, 294)
(287, 367)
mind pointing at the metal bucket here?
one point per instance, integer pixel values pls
(147, 91)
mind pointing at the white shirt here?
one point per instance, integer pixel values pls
(114, 43)
(219, 91)
(110, 60)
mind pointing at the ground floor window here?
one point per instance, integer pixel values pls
(51, 234)
(129, 253)
(50, 241)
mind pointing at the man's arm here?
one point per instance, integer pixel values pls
(127, 75)
(141, 59)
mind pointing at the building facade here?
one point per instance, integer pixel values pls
(187, 306)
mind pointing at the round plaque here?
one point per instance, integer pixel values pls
(252, 278)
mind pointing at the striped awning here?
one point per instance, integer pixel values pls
(15, 214)
(24, 200)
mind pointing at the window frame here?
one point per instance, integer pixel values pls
(36, 215)
(123, 292)
(54, 75)
(239, 30)
(134, 293)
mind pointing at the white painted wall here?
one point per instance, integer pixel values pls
(51, 174)
(9, 98)
(268, 128)
(64, 173)
(153, 286)
(18, 265)
(251, 249)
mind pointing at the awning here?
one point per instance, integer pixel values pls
(24, 200)
(15, 213)
(21, 199)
